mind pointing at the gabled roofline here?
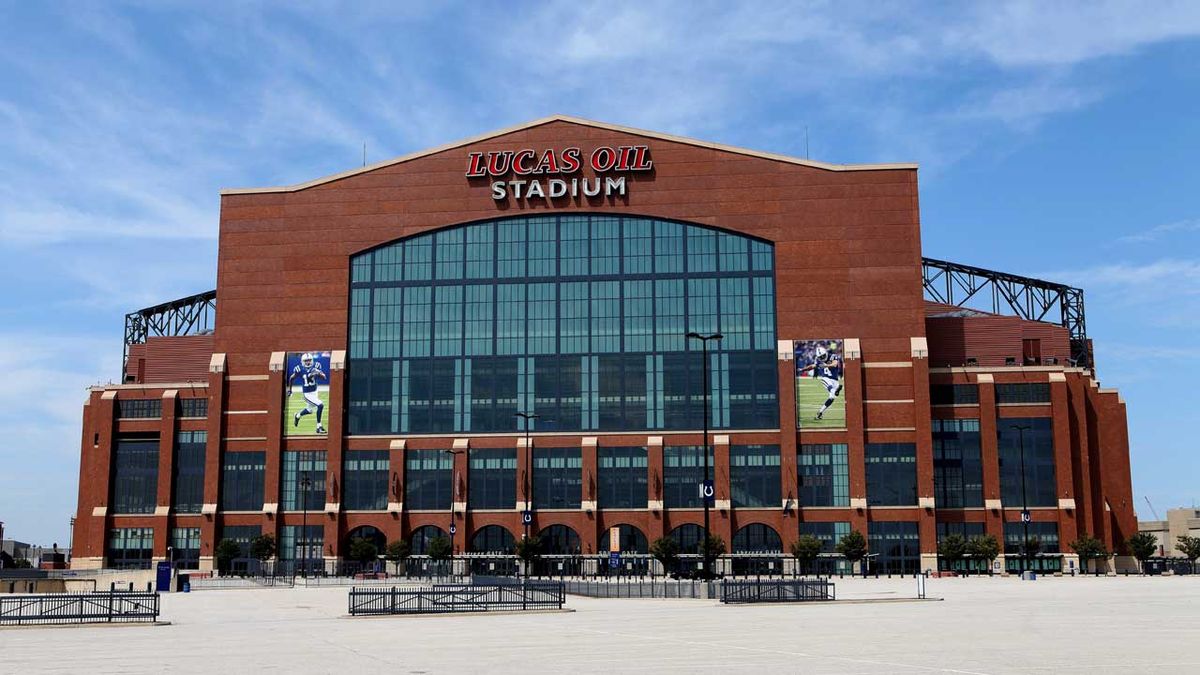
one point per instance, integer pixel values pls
(574, 120)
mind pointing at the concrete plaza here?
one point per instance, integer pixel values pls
(1052, 625)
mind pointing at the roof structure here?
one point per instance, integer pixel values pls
(582, 122)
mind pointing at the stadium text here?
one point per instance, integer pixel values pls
(531, 163)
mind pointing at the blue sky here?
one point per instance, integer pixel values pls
(1053, 141)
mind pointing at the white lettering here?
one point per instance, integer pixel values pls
(535, 190)
(498, 192)
(515, 186)
(558, 188)
(614, 184)
(592, 192)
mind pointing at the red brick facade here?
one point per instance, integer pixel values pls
(848, 265)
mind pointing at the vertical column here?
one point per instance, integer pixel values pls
(654, 483)
(1063, 470)
(212, 459)
(788, 468)
(854, 376)
(990, 457)
(525, 475)
(591, 466)
(458, 490)
(272, 474)
(335, 442)
(166, 460)
(722, 524)
(1086, 510)
(927, 515)
(396, 489)
(101, 478)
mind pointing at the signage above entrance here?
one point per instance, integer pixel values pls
(518, 173)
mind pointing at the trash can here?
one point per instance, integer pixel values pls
(185, 583)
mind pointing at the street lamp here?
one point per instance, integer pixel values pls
(704, 543)
(528, 488)
(453, 485)
(305, 484)
(1021, 429)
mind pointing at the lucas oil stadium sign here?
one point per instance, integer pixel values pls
(553, 174)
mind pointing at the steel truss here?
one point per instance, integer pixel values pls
(1032, 299)
(193, 315)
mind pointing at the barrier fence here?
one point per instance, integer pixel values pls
(100, 607)
(444, 599)
(776, 590)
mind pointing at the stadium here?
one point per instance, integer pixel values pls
(602, 336)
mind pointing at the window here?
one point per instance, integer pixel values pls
(688, 537)
(185, 547)
(756, 538)
(683, 472)
(193, 407)
(824, 475)
(427, 480)
(130, 547)
(629, 540)
(492, 480)
(1035, 392)
(558, 478)
(242, 535)
(366, 480)
(953, 394)
(188, 467)
(896, 545)
(493, 539)
(138, 408)
(754, 476)
(135, 475)
(593, 289)
(421, 537)
(242, 481)
(891, 474)
(621, 475)
(299, 468)
(559, 540)
(1037, 487)
(957, 466)
(1042, 554)
(829, 533)
(305, 546)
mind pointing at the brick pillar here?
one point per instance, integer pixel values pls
(272, 473)
(396, 490)
(1063, 473)
(100, 479)
(721, 516)
(591, 468)
(334, 425)
(788, 469)
(854, 377)
(166, 460)
(990, 457)
(927, 517)
(212, 460)
(459, 491)
(654, 484)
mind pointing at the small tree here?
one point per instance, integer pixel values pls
(529, 549)
(397, 552)
(853, 548)
(805, 550)
(262, 547)
(439, 548)
(952, 549)
(1142, 545)
(983, 547)
(666, 551)
(363, 550)
(226, 551)
(1190, 548)
(1088, 548)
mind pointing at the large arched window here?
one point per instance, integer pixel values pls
(492, 539)
(757, 538)
(422, 536)
(579, 318)
(630, 540)
(559, 540)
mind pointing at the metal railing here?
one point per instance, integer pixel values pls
(445, 599)
(636, 587)
(776, 590)
(103, 607)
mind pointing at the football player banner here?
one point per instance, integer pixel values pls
(307, 393)
(819, 384)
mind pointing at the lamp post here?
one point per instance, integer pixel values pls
(704, 349)
(528, 487)
(305, 484)
(453, 485)
(1021, 429)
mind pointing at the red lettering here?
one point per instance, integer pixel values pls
(623, 154)
(570, 160)
(548, 163)
(498, 162)
(474, 164)
(520, 160)
(641, 159)
(603, 158)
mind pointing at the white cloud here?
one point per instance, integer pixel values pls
(1160, 231)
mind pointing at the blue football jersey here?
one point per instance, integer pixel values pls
(308, 377)
(829, 367)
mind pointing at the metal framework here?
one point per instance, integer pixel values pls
(193, 315)
(1032, 299)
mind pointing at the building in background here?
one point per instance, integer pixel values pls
(1179, 523)
(381, 333)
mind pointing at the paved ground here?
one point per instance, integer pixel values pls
(1133, 625)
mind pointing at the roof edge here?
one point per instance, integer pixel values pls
(574, 120)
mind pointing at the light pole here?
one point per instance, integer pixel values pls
(453, 485)
(305, 484)
(704, 543)
(1021, 429)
